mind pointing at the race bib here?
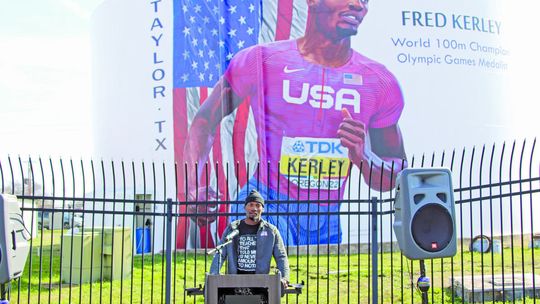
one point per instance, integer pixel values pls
(311, 163)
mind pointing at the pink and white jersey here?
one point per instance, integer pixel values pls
(297, 109)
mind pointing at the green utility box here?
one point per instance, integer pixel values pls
(89, 256)
(81, 257)
(117, 253)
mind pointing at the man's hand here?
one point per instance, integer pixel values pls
(203, 202)
(284, 284)
(352, 134)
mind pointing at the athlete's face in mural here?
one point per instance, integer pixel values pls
(338, 18)
(254, 211)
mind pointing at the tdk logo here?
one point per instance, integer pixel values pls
(322, 147)
(329, 99)
(298, 147)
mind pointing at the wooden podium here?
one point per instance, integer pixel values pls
(245, 289)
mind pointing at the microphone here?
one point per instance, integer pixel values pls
(231, 235)
(226, 241)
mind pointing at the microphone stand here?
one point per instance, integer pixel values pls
(217, 250)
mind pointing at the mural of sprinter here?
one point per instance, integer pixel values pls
(319, 107)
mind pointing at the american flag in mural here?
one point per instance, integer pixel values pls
(207, 35)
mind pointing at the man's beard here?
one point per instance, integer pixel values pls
(254, 217)
(346, 32)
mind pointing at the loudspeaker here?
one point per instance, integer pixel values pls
(14, 239)
(424, 219)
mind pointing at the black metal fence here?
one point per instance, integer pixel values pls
(124, 232)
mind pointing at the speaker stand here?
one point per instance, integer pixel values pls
(423, 283)
(4, 291)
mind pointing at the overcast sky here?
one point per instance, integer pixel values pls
(45, 80)
(45, 75)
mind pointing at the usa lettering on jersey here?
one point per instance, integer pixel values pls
(325, 99)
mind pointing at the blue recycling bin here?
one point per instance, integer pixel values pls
(142, 240)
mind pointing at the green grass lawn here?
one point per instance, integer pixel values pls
(328, 278)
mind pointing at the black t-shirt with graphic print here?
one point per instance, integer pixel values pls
(247, 247)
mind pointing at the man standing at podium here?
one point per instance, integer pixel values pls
(254, 242)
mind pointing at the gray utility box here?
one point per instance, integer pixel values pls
(243, 288)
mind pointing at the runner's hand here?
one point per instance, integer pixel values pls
(352, 134)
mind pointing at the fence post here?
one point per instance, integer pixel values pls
(168, 252)
(374, 252)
